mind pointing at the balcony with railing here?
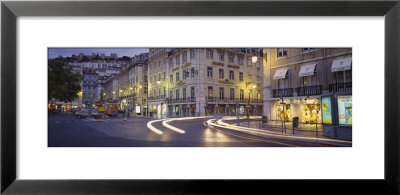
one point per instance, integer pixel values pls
(182, 100)
(232, 100)
(160, 97)
(340, 87)
(286, 92)
(309, 90)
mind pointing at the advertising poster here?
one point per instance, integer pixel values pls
(326, 110)
(137, 109)
(345, 110)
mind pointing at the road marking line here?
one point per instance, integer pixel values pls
(152, 128)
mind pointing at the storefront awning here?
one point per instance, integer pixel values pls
(307, 70)
(341, 65)
(280, 74)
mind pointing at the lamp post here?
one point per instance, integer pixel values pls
(283, 122)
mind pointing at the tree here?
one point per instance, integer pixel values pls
(63, 84)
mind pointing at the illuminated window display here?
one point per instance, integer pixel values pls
(345, 110)
(283, 108)
(311, 113)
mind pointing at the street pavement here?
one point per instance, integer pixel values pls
(66, 130)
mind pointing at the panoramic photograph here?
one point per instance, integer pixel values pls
(199, 97)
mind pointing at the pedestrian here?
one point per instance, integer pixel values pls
(128, 113)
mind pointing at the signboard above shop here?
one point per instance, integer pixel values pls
(300, 101)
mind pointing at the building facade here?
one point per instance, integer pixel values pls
(305, 83)
(204, 81)
(90, 87)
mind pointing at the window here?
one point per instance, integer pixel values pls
(192, 72)
(258, 79)
(221, 73)
(171, 78)
(171, 64)
(283, 83)
(241, 94)
(185, 74)
(177, 77)
(210, 53)
(164, 91)
(192, 92)
(210, 91)
(164, 75)
(240, 76)
(177, 60)
(343, 76)
(209, 72)
(232, 93)
(177, 94)
(170, 94)
(184, 57)
(306, 49)
(221, 55)
(154, 93)
(240, 59)
(231, 75)
(192, 54)
(184, 93)
(231, 56)
(155, 78)
(281, 52)
(221, 93)
(159, 76)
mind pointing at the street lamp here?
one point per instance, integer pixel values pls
(254, 59)
(283, 122)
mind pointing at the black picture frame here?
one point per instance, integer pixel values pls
(10, 10)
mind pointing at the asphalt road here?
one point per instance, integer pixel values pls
(65, 130)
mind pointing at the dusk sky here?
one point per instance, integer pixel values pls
(67, 52)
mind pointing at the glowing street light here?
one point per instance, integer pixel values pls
(254, 59)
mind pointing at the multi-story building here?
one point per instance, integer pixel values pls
(90, 87)
(129, 87)
(110, 90)
(313, 84)
(201, 81)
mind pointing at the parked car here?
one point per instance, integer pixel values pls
(82, 113)
(95, 114)
(74, 110)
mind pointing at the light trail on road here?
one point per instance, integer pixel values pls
(166, 121)
(152, 128)
(244, 137)
(221, 124)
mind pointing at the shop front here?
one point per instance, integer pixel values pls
(337, 114)
(307, 109)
